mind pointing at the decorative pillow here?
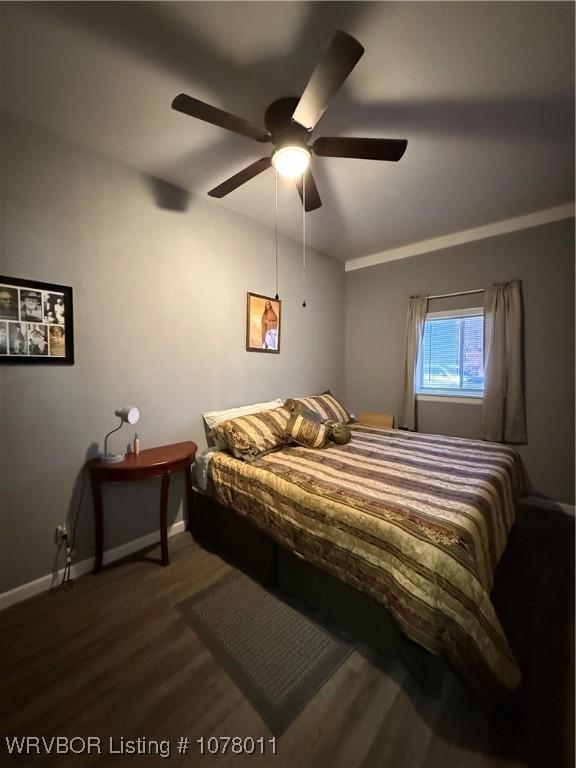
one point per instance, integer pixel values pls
(251, 436)
(215, 417)
(297, 406)
(304, 431)
(340, 433)
(325, 406)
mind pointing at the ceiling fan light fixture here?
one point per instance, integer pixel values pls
(291, 161)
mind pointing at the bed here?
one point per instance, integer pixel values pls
(415, 523)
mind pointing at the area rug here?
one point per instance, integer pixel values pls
(276, 655)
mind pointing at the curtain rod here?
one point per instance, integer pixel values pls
(457, 293)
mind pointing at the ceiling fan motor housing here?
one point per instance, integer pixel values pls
(278, 120)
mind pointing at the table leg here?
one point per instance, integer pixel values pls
(163, 517)
(98, 524)
(189, 495)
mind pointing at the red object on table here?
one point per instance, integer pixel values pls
(154, 462)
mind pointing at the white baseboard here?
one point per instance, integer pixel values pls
(538, 501)
(44, 583)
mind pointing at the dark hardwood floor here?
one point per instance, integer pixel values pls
(112, 657)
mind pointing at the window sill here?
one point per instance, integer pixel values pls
(442, 398)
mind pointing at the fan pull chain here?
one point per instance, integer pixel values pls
(304, 235)
(276, 228)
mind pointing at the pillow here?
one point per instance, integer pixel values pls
(308, 432)
(353, 418)
(325, 406)
(297, 406)
(248, 437)
(215, 417)
(339, 433)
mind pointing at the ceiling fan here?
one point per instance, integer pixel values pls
(290, 122)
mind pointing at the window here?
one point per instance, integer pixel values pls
(451, 360)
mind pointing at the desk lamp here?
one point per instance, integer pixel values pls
(129, 414)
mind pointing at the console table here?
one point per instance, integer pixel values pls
(154, 462)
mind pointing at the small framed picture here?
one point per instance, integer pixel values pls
(36, 323)
(263, 323)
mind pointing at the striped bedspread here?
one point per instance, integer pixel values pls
(418, 522)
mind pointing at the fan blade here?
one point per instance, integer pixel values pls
(215, 116)
(312, 197)
(240, 178)
(364, 149)
(336, 63)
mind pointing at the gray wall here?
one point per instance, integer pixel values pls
(543, 258)
(160, 307)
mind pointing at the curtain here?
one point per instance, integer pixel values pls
(415, 319)
(503, 410)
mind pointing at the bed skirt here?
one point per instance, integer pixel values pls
(240, 542)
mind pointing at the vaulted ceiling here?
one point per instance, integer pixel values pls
(484, 93)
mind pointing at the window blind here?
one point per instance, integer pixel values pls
(452, 354)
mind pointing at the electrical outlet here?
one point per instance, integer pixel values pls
(60, 533)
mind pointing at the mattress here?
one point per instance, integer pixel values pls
(418, 522)
(200, 468)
